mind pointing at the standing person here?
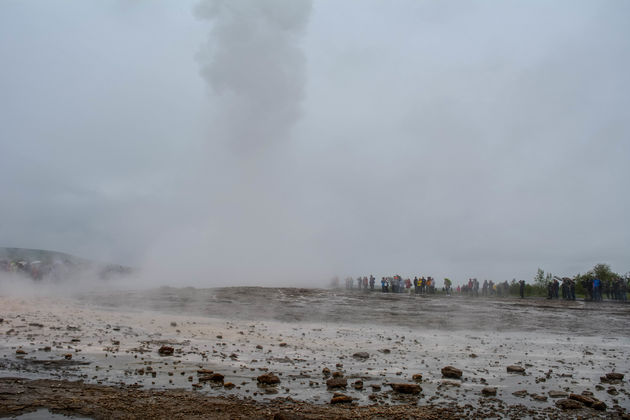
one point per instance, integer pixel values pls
(416, 286)
(572, 289)
(359, 282)
(556, 288)
(372, 279)
(521, 288)
(365, 282)
(447, 286)
(383, 285)
(597, 291)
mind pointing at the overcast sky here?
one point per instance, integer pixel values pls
(279, 142)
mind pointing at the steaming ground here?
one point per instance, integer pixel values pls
(240, 332)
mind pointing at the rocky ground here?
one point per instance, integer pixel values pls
(126, 402)
(185, 359)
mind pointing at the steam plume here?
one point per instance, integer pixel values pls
(252, 60)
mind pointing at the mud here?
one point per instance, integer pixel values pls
(296, 334)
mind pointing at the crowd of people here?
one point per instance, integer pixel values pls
(34, 269)
(396, 284)
(58, 269)
(616, 289)
(564, 287)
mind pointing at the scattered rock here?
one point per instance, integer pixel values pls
(489, 391)
(558, 394)
(362, 355)
(567, 404)
(451, 372)
(20, 351)
(417, 377)
(268, 379)
(515, 369)
(282, 344)
(587, 401)
(67, 356)
(326, 372)
(376, 388)
(215, 377)
(406, 388)
(340, 399)
(358, 385)
(522, 393)
(538, 397)
(614, 376)
(228, 385)
(166, 351)
(204, 372)
(337, 383)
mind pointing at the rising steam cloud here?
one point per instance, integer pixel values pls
(253, 61)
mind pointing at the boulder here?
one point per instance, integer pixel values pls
(489, 391)
(340, 399)
(451, 372)
(614, 376)
(587, 401)
(166, 350)
(567, 404)
(214, 377)
(268, 379)
(515, 369)
(558, 394)
(539, 397)
(337, 383)
(406, 388)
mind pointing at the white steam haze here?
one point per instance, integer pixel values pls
(285, 142)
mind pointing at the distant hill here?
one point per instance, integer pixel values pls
(30, 255)
(39, 263)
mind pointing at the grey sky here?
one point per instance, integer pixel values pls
(276, 142)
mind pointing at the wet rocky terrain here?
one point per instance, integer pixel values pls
(307, 351)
